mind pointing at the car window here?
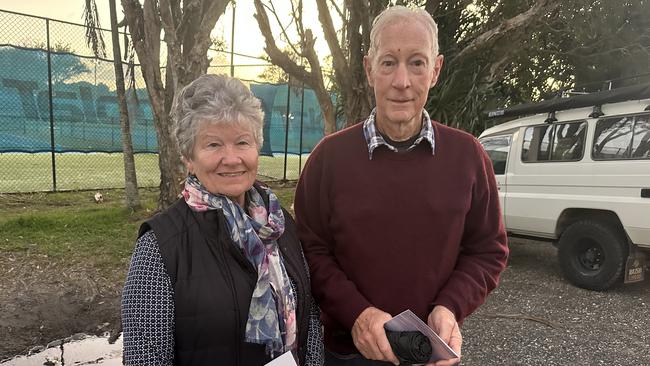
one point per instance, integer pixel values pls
(641, 139)
(497, 149)
(612, 138)
(556, 142)
(537, 143)
(569, 141)
(622, 138)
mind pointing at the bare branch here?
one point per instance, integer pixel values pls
(337, 9)
(212, 10)
(507, 27)
(296, 14)
(284, 29)
(341, 66)
(275, 54)
(211, 14)
(309, 52)
(174, 57)
(496, 68)
(579, 52)
(145, 29)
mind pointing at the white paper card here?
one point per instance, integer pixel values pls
(407, 321)
(285, 360)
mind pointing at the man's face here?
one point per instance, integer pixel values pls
(402, 71)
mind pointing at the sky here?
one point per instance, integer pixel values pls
(248, 39)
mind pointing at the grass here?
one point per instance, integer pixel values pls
(23, 172)
(71, 227)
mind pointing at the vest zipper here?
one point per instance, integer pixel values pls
(233, 291)
(239, 335)
(301, 286)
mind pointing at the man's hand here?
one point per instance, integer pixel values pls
(443, 322)
(370, 338)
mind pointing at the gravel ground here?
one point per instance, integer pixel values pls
(535, 317)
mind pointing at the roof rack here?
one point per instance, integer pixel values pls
(635, 92)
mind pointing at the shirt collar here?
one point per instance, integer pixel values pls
(374, 138)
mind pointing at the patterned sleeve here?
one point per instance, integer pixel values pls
(315, 354)
(315, 348)
(148, 307)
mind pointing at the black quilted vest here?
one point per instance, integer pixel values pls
(213, 283)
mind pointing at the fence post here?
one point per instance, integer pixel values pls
(146, 135)
(51, 106)
(232, 41)
(286, 127)
(302, 115)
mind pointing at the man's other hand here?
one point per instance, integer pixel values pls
(370, 338)
(443, 322)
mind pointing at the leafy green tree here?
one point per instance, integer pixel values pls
(604, 40)
(509, 52)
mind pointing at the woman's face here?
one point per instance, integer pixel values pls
(225, 159)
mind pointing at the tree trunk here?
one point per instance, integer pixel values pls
(513, 28)
(187, 35)
(130, 178)
(358, 96)
(145, 28)
(327, 109)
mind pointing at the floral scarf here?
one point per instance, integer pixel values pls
(272, 312)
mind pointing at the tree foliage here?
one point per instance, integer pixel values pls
(497, 53)
(509, 52)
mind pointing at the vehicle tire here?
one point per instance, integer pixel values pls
(592, 255)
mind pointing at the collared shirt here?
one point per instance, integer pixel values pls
(374, 138)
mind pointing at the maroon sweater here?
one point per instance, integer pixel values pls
(401, 231)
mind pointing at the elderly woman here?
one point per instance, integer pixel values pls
(219, 278)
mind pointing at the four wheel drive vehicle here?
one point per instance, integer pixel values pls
(579, 177)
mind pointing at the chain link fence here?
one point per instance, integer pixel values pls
(59, 125)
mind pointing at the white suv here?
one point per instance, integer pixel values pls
(579, 177)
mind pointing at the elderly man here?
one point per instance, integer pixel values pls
(399, 212)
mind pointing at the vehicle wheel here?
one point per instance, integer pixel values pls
(592, 255)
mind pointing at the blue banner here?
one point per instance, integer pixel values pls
(86, 114)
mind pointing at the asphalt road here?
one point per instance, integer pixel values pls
(535, 317)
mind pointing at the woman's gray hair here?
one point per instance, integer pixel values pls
(400, 13)
(214, 99)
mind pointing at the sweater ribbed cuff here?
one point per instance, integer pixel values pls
(449, 304)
